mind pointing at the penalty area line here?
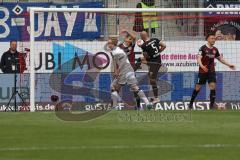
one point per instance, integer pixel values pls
(120, 147)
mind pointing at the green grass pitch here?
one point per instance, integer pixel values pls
(209, 135)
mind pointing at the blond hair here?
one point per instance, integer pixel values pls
(114, 40)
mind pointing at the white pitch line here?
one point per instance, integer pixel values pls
(120, 147)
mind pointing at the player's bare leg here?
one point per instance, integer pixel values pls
(194, 95)
(153, 72)
(153, 83)
(114, 94)
(212, 87)
(152, 78)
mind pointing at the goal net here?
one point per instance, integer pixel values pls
(76, 73)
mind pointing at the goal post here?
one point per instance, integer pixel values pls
(32, 57)
(124, 12)
(133, 10)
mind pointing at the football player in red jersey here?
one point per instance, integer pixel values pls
(128, 47)
(206, 56)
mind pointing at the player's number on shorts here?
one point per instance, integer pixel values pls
(154, 47)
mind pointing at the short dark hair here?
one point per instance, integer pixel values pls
(12, 41)
(210, 34)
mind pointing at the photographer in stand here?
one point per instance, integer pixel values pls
(10, 61)
(13, 62)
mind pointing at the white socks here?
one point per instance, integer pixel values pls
(142, 96)
(115, 97)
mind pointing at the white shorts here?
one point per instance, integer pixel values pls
(128, 78)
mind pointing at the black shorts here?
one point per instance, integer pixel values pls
(206, 77)
(154, 66)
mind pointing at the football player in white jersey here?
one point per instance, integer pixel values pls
(124, 73)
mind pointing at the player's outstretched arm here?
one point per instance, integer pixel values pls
(115, 67)
(128, 33)
(199, 60)
(116, 72)
(223, 61)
